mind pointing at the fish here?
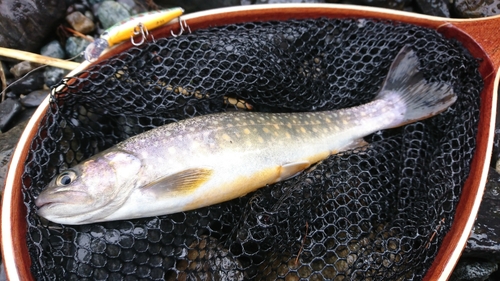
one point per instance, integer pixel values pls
(214, 158)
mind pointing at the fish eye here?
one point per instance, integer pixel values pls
(65, 178)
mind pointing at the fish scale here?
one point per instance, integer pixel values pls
(215, 158)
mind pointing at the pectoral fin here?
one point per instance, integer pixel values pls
(290, 170)
(183, 182)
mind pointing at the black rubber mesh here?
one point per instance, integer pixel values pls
(376, 214)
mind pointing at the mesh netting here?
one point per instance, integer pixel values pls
(375, 214)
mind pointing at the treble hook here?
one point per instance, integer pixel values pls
(183, 26)
(140, 29)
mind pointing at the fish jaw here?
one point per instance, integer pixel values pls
(100, 185)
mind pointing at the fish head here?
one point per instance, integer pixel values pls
(90, 190)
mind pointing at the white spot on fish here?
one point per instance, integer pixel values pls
(172, 150)
(246, 131)
(266, 130)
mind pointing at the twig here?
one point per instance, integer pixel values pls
(3, 80)
(22, 55)
(78, 34)
(302, 245)
(434, 233)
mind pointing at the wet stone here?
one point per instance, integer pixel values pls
(476, 9)
(53, 75)
(473, 270)
(80, 22)
(53, 49)
(75, 46)
(438, 8)
(133, 7)
(33, 81)
(8, 110)
(28, 22)
(199, 5)
(484, 240)
(110, 13)
(34, 98)
(22, 68)
(8, 141)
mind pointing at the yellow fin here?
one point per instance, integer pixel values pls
(183, 182)
(290, 170)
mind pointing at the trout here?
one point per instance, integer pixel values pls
(213, 158)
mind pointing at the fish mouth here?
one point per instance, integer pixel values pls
(57, 199)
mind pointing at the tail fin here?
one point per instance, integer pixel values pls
(406, 88)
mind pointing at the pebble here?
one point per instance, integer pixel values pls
(20, 69)
(200, 5)
(53, 49)
(110, 13)
(33, 81)
(133, 7)
(8, 110)
(80, 22)
(53, 75)
(75, 46)
(34, 98)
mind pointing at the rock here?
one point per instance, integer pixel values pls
(76, 7)
(438, 8)
(392, 4)
(10, 95)
(134, 7)
(53, 75)
(110, 13)
(22, 68)
(34, 98)
(29, 22)
(8, 110)
(476, 9)
(473, 270)
(294, 1)
(75, 46)
(198, 5)
(8, 142)
(53, 49)
(484, 240)
(33, 81)
(80, 22)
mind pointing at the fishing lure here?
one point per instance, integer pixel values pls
(136, 25)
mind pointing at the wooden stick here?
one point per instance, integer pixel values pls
(22, 55)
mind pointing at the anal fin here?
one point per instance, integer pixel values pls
(184, 182)
(289, 170)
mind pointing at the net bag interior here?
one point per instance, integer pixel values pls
(374, 214)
